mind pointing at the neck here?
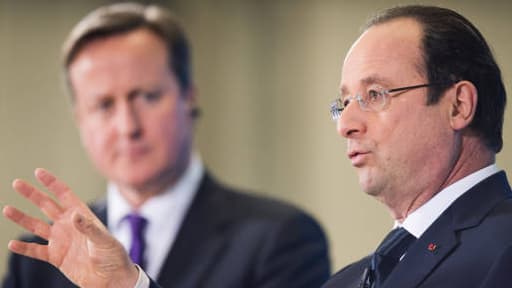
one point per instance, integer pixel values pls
(137, 195)
(473, 156)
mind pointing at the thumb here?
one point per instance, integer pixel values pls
(95, 232)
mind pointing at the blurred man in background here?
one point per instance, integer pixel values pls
(128, 70)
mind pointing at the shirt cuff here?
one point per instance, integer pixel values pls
(143, 280)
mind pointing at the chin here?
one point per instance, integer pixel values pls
(371, 191)
(368, 185)
(137, 178)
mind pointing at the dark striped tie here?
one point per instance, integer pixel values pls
(387, 255)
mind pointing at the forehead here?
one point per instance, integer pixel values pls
(130, 59)
(387, 53)
(136, 45)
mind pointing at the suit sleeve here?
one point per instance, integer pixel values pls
(294, 256)
(10, 277)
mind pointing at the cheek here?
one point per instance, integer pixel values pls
(391, 134)
(98, 141)
(399, 143)
(420, 141)
(171, 129)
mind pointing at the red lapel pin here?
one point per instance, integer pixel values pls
(432, 247)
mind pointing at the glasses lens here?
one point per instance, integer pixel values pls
(373, 101)
(336, 108)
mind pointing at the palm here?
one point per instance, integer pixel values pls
(63, 245)
(66, 246)
(78, 243)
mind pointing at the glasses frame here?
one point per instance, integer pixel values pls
(338, 105)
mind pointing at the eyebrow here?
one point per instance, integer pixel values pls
(372, 79)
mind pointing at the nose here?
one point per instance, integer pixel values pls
(351, 122)
(128, 121)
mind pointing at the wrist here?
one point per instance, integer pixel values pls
(126, 278)
(143, 280)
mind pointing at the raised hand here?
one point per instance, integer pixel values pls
(79, 245)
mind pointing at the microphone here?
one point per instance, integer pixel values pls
(366, 278)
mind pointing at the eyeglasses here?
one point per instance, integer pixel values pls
(372, 100)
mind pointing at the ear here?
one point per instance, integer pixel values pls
(463, 104)
(190, 97)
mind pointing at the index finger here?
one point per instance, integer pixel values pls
(66, 197)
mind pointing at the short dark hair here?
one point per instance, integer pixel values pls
(120, 18)
(454, 50)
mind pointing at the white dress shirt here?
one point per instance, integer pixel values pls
(419, 220)
(164, 213)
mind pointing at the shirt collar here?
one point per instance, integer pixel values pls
(174, 201)
(418, 221)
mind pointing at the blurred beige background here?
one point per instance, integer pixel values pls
(265, 71)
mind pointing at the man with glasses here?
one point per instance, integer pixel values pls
(421, 108)
(128, 71)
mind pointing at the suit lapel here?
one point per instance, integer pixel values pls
(99, 208)
(441, 237)
(199, 240)
(424, 255)
(196, 264)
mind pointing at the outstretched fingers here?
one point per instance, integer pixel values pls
(46, 204)
(31, 250)
(66, 197)
(31, 224)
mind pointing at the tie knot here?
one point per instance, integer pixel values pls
(137, 222)
(396, 243)
(387, 256)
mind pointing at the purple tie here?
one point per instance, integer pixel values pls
(137, 225)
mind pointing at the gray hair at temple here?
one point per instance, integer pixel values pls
(454, 50)
(120, 18)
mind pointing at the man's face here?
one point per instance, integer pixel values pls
(134, 119)
(405, 149)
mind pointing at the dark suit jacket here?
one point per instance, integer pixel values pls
(472, 239)
(227, 240)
